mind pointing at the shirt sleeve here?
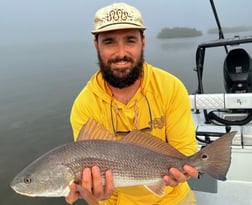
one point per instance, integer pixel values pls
(78, 117)
(180, 129)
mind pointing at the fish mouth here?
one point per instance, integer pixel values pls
(24, 193)
(57, 193)
(20, 192)
(14, 186)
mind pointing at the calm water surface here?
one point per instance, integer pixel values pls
(38, 84)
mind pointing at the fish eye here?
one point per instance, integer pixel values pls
(27, 180)
(204, 156)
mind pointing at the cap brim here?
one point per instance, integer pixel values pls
(118, 26)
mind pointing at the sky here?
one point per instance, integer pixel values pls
(23, 21)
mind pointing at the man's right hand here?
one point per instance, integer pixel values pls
(91, 189)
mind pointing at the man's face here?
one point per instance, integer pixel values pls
(120, 55)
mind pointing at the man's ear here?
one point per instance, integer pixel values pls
(143, 39)
(96, 43)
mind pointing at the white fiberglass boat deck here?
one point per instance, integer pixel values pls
(237, 189)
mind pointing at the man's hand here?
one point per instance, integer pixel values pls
(177, 176)
(92, 189)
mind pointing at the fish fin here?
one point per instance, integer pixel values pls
(94, 130)
(153, 143)
(216, 157)
(157, 189)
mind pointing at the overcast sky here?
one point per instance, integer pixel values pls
(72, 20)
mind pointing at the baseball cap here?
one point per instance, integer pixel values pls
(117, 16)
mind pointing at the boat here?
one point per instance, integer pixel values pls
(215, 114)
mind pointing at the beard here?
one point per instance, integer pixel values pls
(126, 78)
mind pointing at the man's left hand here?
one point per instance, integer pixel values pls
(175, 176)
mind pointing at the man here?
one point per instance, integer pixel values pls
(127, 93)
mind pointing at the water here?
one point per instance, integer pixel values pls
(39, 82)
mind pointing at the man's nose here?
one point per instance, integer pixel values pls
(120, 50)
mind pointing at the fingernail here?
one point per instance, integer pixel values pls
(95, 168)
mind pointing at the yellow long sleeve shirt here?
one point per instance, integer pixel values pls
(160, 104)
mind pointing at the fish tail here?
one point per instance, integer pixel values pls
(215, 158)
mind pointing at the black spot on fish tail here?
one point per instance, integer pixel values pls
(215, 158)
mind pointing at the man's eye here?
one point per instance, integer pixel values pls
(107, 42)
(131, 40)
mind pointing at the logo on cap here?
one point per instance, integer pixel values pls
(118, 15)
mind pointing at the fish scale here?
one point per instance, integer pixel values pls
(130, 160)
